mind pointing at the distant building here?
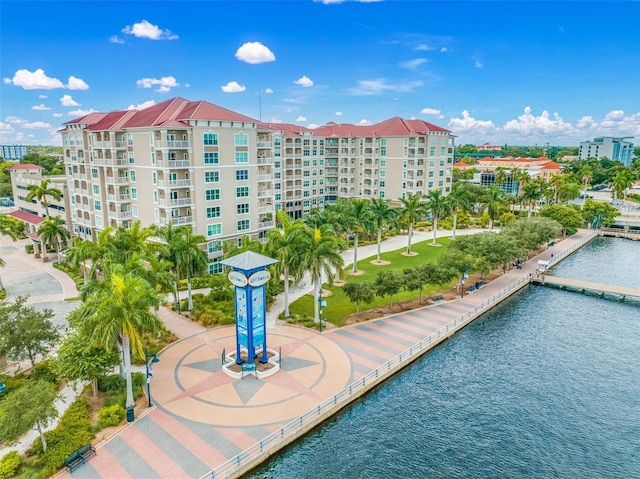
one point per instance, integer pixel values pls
(13, 152)
(488, 147)
(616, 149)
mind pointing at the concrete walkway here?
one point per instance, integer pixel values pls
(203, 417)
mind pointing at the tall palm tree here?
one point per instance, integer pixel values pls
(359, 220)
(569, 190)
(117, 313)
(191, 259)
(53, 231)
(133, 241)
(320, 255)
(382, 214)
(585, 175)
(459, 199)
(101, 251)
(621, 182)
(530, 194)
(493, 201)
(501, 176)
(413, 209)
(41, 191)
(557, 181)
(81, 251)
(438, 205)
(284, 244)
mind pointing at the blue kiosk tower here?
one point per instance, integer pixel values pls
(249, 275)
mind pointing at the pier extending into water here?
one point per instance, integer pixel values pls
(608, 291)
(620, 233)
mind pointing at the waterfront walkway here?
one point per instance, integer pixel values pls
(587, 286)
(205, 420)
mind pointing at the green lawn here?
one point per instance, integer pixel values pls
(339, 306)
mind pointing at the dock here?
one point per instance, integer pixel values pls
(608, 291)
(620, 233)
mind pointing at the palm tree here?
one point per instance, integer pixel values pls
(320, 255)
(569, 190)
(413, 209)
(501, 176)
(284, 245)
(438, 206)
(585, 174)
(530, 194)
(191, 260)
(557, 181)
(53, 231)
(101, 251)
(80, 252)
(458, 198)
(381, 215)
(621, 182)
(41, 191)
(133, 241)
(493, 201)
(117, 312)
(359, 220)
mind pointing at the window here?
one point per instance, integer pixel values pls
(276, 142)
(213, 212)
(432, 163)
(278, 196)
(442, 151)
(212, 195)
(211, 158)
(242, 175)
(155, 196)
(242, 208)
(154, 177)
(153, 158)
(431, 174)
(305, 152)
(211, 176)
(441, 162)
(96, 189)
(214, 230)
(98, 220)
(97, 205)
(241, 139)
(134, 211)
(210, 139)
(216, 267)
(383, 142)
(132, 176)
(305, 163)
(242, 192)
(383, 163)
(433, 142)
(134, 193)
(441, 173)
(383, 152)
(242, 157)
(244, 225)
(383, 183)
(94, 173)
(131, 158)
(383, 174)
(305, 183)
(214, 246)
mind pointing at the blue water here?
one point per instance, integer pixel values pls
(545, 385)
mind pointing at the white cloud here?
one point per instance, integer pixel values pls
(275, 120)
(444, 49)
(165, 84)
(41, 107)
(529, 124)
(304, 81)
(430, 111)
(338, 113)
(43, 96)
(380, 85)
(66, 100)
(7, 133)
(14, 120)
(477, 61)
(440, 117)
(36, 80)
(7, 81)
(329, 2)
(268, 90)
(423, 47)
(116, 39)
(57, 115)
(413, 64)
(468, 123)
(255, 53)
(76, 84)
(301, 119)
(36, 125)
(141, 106)
(233, 87)
(313, 126)
(144, 29)
(80, 112)
(364, 122)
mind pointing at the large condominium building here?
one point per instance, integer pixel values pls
(225, 174)
(616, 149)
(12, 152)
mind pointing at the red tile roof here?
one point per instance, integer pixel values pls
(25, 166)
(112, 121)
(461, 164)
(28, 217)
(89, 119)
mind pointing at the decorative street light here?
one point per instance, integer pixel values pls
(154, 359)
(321, 304)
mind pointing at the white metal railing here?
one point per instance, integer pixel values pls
(173, 183)
(265, 209)
(264, 161)
(265, 177)
(176, 202)
(118, 197)
(266, 224)
(344, 396)
(265, 193)
(176, 144)
(264, 144)
(172, 163)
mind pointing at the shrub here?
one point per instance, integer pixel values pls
(29, 248)
(9, 465)
(110, 416)
(116, 398)
(484, 220)
(45, 370)
(113, 382)
(12, 382)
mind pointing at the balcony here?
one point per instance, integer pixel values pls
(264, 161)
(174, 202)
(265, 178)
(118, 197)
(264, 144)
(102, 144)
(79, 176)
(174, 183)
(118, 215)
(116, 180)
(82, 221)
(265, 209)
(172, 163)
(83, 207)
(121, 144)
(81, 191)
(265, 194)
(266, 224)
(177, 220)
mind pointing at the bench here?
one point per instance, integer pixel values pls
(437, 298)
(79, 457)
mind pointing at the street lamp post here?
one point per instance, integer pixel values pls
(321, 304)
(154, 359)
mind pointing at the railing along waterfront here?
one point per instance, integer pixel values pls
(311, 418)
(578, 244)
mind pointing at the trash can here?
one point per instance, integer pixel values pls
(130, 414)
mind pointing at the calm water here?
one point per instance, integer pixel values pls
(546, 385)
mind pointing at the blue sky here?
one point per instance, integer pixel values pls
(510, 72)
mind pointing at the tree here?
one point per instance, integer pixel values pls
(415, 279)
(388, 283)
(413, 209)
(319, 255)
(53, 231)
(621, 182)
(10, 226)
(41, 191)
(284, 245)
(531, 193)
(79, 360)
(117, 311)
(359, 293)
(438, 206)
(493, 202)
(568, 191)
(191, 259)
(382, 214)
(501, 176)
(25, 332)
(569, 217)
(28, 406)
(81, 251)
(359, 220)
(459, 199)
(599, 212)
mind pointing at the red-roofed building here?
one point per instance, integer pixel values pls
(225, 174)
(488, 168)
